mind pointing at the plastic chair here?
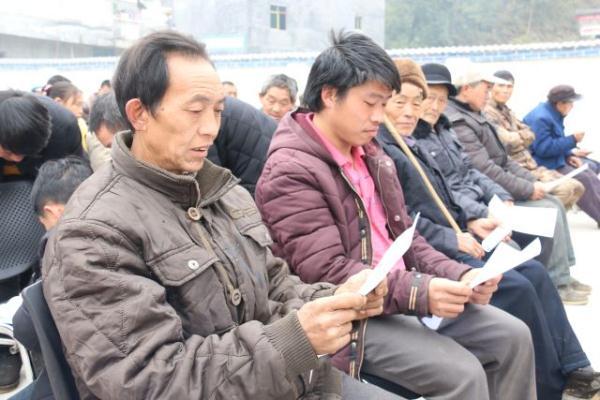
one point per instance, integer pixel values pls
(57, 368)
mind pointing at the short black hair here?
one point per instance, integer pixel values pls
(228, 83)
(142, 71)
(57, 78)
(25, 123)
(62, 90)
(106, 112)
(57, 180)
(281, 81)
(352, 60)
(106, 82)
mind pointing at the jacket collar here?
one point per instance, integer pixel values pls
(553, 111)
(295, 133)
(198, 190)
(466, 109)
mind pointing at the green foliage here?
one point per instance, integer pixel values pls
(431, 23)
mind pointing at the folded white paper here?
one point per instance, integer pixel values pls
(391, 257)
(550, 186)
(536, 221)
(503, 259)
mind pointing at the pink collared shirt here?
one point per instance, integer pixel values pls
(358, 174)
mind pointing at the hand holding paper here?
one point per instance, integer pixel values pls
(550, 186)
(389, 259)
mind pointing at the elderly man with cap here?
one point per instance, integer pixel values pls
(517, 137)
(555, 150)
(480, 141)
(525, 292)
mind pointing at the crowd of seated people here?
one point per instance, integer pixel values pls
(199, 247)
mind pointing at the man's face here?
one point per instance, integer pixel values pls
(435, 103)
(75, 104)
(10, 156)
(105, 135)
(276, 102)
(477, 95)
(404, 108)
(355, 118)
(230, 90)
(501, 92)
(186, 122)
(564, 107)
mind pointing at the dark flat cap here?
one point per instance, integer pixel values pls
(562, 93)
(438, 74)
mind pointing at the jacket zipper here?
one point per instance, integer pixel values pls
(366, 255)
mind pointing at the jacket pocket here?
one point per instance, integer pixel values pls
(179, 266)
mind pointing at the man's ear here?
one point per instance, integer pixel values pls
(137, 114)
(329, 96)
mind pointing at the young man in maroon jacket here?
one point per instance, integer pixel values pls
(333, 203)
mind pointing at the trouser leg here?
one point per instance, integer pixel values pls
(502, 343)
(590, 200)
(400, 349)
(566, 343)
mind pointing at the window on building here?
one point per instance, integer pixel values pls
(278, 15)
(358, 22)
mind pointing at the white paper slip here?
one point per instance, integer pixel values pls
(505, 258)
(497, 235)
(549, 186)
(536, 221)
(391, 257)
(432, 322)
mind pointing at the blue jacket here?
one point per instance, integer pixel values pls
(551, 146)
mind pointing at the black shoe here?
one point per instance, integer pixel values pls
(10, 368)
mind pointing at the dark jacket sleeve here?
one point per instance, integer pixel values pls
(488, 186)
(129, 338)
(520, 188)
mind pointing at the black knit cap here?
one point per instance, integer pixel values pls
(438, 74)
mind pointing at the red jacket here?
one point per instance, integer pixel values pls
(313, 213)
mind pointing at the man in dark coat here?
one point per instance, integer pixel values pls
(243, 141)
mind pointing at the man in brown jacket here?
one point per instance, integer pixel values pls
(517, 137)
(159, 275)
(333, 203)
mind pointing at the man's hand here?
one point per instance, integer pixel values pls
(482, 227)
(538, 191)
(375, 299)
(447, 298)
(581, 152)
(468, 244)
(578, 136)
(482, 293)
(574, 161)
(327, 321)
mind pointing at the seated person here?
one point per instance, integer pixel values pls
(70, 97)
(525, 292)
(481, 143)
(159, 275)
(54, 185)
(105, 121)
(517, 137)
(34, 129)
(243, 141)
(555, 150)
(278, 96)
(333, 204)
